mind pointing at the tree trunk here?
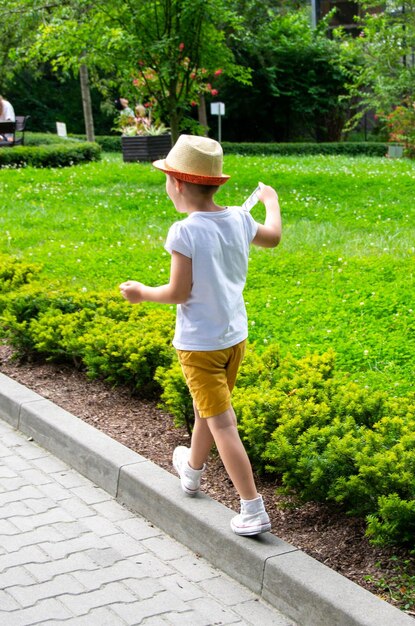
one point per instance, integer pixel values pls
(202, 114)
(174, 127)
(86, 102)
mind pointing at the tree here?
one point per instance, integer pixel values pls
(32, 17)
(172, 41)
(297, 85)
(381, 61)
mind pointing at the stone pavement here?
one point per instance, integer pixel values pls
(70, 553)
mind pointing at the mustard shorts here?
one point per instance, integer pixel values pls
(211, 376)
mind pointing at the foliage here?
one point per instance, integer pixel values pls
(14, 273)
(131, 126)
(303, 420)
(154, 83)
(175, 396)
(379, 63)
(331, 440)
(297, 82)
(401, 125)
(347, 148)
(56, 155)
(341, 278)
(100, 333)
(108, 143)
(49, 98)
(400, 585)
(98, 36)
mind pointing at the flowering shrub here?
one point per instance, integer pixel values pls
(156, 87)
(401, 125)
(131, 125)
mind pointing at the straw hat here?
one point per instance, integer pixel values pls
(194, 160)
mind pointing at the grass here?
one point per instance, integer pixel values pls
(342, 278)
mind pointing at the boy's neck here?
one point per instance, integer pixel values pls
(203, 207)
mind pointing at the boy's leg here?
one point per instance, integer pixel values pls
(253, 518)
(190, 462)
(232, 452)
(202, 441)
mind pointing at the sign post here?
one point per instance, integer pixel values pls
(218, 108)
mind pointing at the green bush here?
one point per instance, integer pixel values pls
(129, 352)
(44, 139)
(301, 420)
(54, 155)
(102, 334)
(175, 396)
(344, 148)
(15, 273)
(108, 143)
(394, 523)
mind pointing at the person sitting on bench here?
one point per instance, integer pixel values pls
(6, 115)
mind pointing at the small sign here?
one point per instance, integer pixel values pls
(217, 108)
(395, 151)
(61, 129)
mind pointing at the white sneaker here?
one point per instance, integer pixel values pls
(189, 477)
(253, 518)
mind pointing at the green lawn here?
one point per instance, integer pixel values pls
(343, 276)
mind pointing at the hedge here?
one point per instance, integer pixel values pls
(111, 143)
(303, 422)
(108, 143)
(54, 155)
(344, 148)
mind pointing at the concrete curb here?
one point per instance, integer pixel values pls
(302, 588)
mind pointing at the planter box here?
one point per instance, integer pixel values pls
(145, 148)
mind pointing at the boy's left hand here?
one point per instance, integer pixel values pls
(131, 290)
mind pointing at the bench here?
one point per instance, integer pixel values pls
(11, 128)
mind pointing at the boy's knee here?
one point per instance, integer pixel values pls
(226, 419)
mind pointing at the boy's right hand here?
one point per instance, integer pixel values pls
(131, 291)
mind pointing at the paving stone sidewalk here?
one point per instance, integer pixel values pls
(69, 553)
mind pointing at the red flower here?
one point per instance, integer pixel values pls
(181, 46)
(214, 92)
(218, 72)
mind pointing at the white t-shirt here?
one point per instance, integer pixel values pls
(8, 112)
(214, 316)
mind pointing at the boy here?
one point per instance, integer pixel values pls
(209, 260)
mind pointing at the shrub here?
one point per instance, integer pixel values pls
(175, 396)
(59, 155)
(401, 125)
(323, 435)
(108, 143)
(15, 273)
(394, 522)
(128, 352)
(44, 139)
(344, 148)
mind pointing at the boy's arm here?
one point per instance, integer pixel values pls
(176, 291)
(269, 234)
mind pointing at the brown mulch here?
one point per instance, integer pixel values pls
(322, 531)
